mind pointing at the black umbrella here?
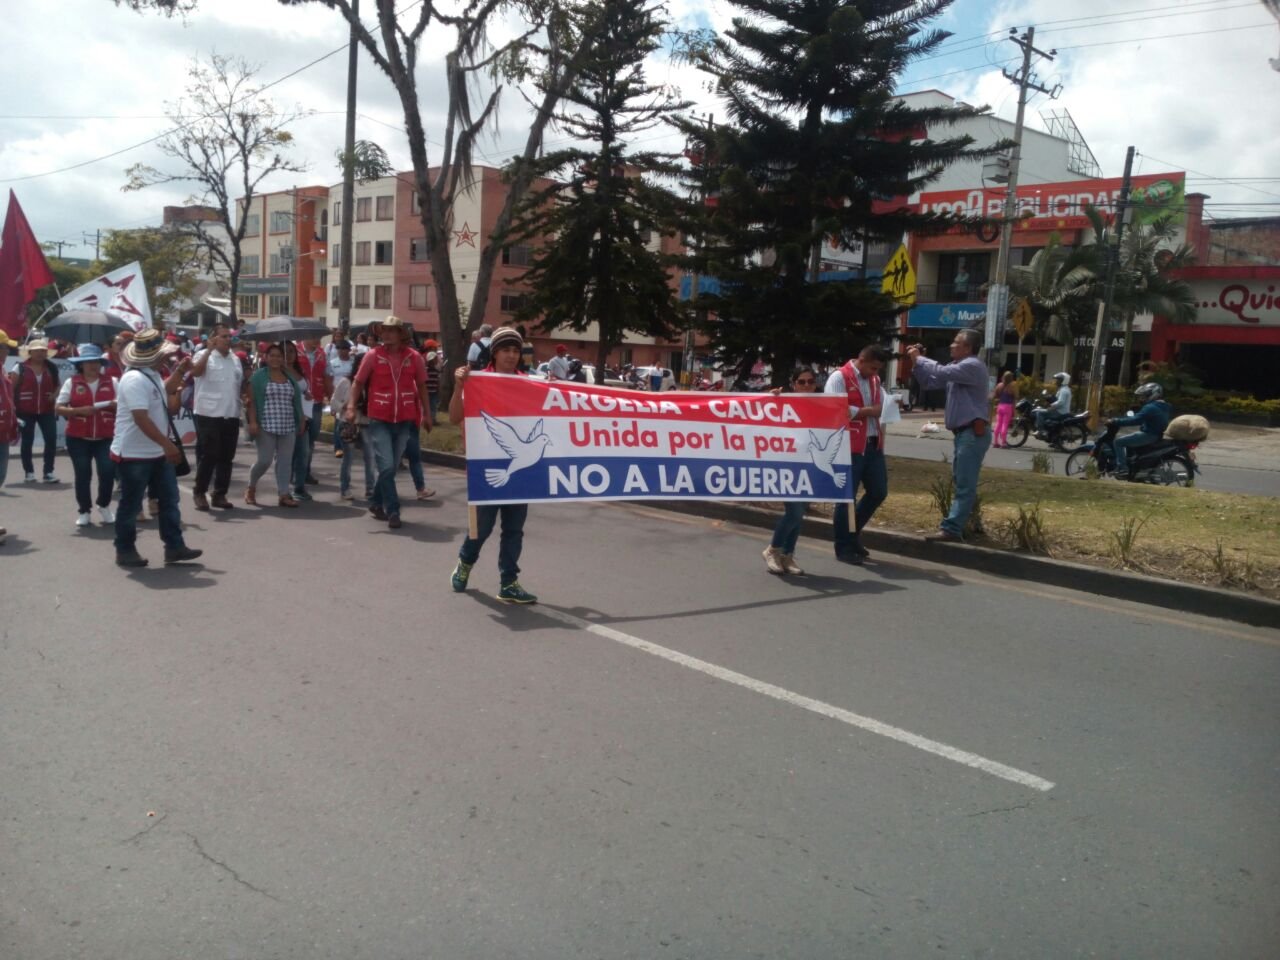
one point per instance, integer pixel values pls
(86, 326)
(277, 329)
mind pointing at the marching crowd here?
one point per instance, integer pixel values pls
(119, 407)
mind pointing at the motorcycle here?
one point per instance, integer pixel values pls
(1165, 462)
(1066, 434)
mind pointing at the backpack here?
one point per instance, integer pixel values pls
(482, 359)
(576, 373)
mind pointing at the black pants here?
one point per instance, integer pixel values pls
(216, 439)
(48, 424)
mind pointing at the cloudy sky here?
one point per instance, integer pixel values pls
(1187, 83)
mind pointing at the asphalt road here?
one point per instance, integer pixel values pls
(309, 747)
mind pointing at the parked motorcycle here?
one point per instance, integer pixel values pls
(1165, 462)
(1066, 434)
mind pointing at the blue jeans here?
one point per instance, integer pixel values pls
(305, 447)
(510, 543)
(1129, 442)
(869, 471)
(389, 441)
(48, 424)
(413, 452)
(787, 530)
(1045, 417)
(344, 471)
(966, 463)
(85, 454)
(136, 476)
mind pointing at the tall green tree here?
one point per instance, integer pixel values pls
(813, 147)
(1060, 284)
(1145, 282)
(593, 227)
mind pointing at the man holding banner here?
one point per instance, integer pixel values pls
(505, 348)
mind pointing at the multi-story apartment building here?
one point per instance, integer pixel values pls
(282, 256)
(391, 262)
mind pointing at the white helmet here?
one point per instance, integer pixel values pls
(1064, 379)
(1149, 391)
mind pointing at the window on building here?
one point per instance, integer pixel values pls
(518, 255)
(281, 222)
(364, 209)
(386, 208)
(278, 305)
(363, 249)
(250, 265)
(335, 255)
(323, 280)
(333, 297)
(279, 265)
(961, 276)
(511, 302)
(248, 305)
(382, 251)
(252, 225)
(419, 296)
(324, 226)
(415, 205)
(419, 252)
(646, 235)
(362, 296)
(337, 213)
(382, 296)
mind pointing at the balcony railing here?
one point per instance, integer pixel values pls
(950, 293)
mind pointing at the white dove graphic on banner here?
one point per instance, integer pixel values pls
(824, 455)
(121, 292)
(523, 451)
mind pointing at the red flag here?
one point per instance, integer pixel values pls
(23, 270)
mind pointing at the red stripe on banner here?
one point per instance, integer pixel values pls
(510, 396)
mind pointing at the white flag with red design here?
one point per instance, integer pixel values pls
(120, 292)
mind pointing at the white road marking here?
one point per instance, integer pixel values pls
(806, 703)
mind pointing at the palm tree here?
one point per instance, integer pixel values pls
(1059, 285)
(1144, 284)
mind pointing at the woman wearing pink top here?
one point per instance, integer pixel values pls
(1006, 395)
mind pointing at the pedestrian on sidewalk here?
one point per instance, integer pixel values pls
(780, 555)
(276, 422)
(35, 386)
(395, 380)
(1006, 397)
(859, 381)
(143, 453)
(505, 348)
(965, 415)
(88, 401)
(219, 390)
(298, 364)
(340, 364)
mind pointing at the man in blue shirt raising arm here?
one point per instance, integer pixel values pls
(966, 415)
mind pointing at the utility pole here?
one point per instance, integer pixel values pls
(998, 293)
(348, 181)
(1102, 331)
(97, 240)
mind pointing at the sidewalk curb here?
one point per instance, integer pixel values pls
(1120, 584)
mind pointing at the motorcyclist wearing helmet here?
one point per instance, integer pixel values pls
(1153, 418)
(1060, 409)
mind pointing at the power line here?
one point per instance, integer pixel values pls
(1201, 173)
(1166, 36)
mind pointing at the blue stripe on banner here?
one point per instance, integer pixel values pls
(653, 478)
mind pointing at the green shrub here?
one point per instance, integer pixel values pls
(1027, 532)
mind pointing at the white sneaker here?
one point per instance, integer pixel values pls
(83, 520)
(50, 478)
(29, 478)
(107, 514)
(773, 560)
(790, 566)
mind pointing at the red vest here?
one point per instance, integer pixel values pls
(315, 367)
(33, 398)
(393, 392)
(99, 425)
(8, 413)
(858, 428)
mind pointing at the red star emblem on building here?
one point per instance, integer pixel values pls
(465, 235)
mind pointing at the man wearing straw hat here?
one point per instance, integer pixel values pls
(144, 454)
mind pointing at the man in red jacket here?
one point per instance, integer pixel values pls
(859, 381)
(394, 377)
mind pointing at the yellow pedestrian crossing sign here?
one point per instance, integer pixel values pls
(1023, 319)
(899, 278)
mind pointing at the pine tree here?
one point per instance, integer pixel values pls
(814, 146)
(593, 225)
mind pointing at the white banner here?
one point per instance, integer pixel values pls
(120, 292)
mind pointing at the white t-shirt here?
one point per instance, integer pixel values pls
(558, 367)
(217, 392)
(139, 389)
